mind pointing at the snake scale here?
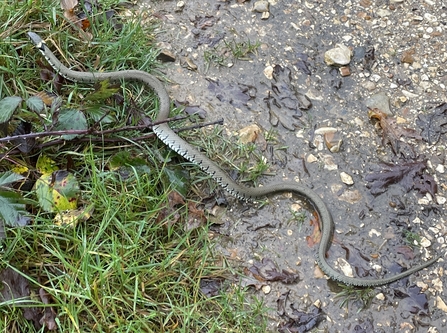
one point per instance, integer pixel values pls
(173, 141)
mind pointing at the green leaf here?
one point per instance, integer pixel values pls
(178, 179)
(65, 184)
(57, 191)
(104, 91)
(126, 164)
(35, 103)
(7, 107)
(12, 208)
(44, 193)
(96, 112)
(70, 119)
(9, 177)
(46, 165)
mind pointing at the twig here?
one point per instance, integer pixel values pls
(111, 140)
(87, 131)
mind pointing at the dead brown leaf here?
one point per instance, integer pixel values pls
(196, 217)
(68, 4)
(15, 289)
(176, 204)
(49, 317)
(391, 131)
(267, 270)
(316, 232)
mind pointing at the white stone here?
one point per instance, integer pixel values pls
(268, 72)
(425, 242)
(430, 18)
(374, 232)
(409, 94)
(345, 267)
(266, 289)
(380, 296)
(261, 6)
(311, 158)
(339, 55)
(440, 304)
(324, 130)
(440, 200)
(345, 178)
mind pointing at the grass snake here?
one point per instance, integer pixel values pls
(173, 141)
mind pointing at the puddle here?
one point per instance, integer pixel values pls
(286, 85)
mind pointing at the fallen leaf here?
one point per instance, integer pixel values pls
(283, 102)
(406, 251)
(414, 301)
(408, 56)
(408, 175)
(266, 270)
(72, 217)
(68, 4)
(15, 289)
(316, 232)
(196, 217)
(298, 321)
(211, 287)
(203, 22)
(237, 94)
(392, 132)
(433, 124)
(49, 317)
(191, 109)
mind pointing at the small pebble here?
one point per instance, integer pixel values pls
(180, 5)
(440, 304)
(425, 242)
(340, 55)
(345, 267)
(440, 200)
(311, 158)
(380, 296)
(266, 289)
(345, 71)
(261, 6)
(268, 72)
(347, 179)
(374, 232)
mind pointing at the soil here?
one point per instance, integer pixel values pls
(398, 65)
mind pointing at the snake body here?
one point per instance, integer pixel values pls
(173, 141)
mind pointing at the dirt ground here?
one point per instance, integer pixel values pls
(397, 59)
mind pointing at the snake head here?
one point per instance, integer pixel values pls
(37, 41)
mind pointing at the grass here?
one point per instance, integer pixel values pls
(229, 153)
(411, 238)
(227, 52)
(128, 268)
(361, 297)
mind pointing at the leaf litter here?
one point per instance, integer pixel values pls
(392, 132)
(297, 321)
(410, 175)
(267, 271)
(433, 124)
(16, 292)
(283, 101)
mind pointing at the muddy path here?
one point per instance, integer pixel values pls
(335, 145)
